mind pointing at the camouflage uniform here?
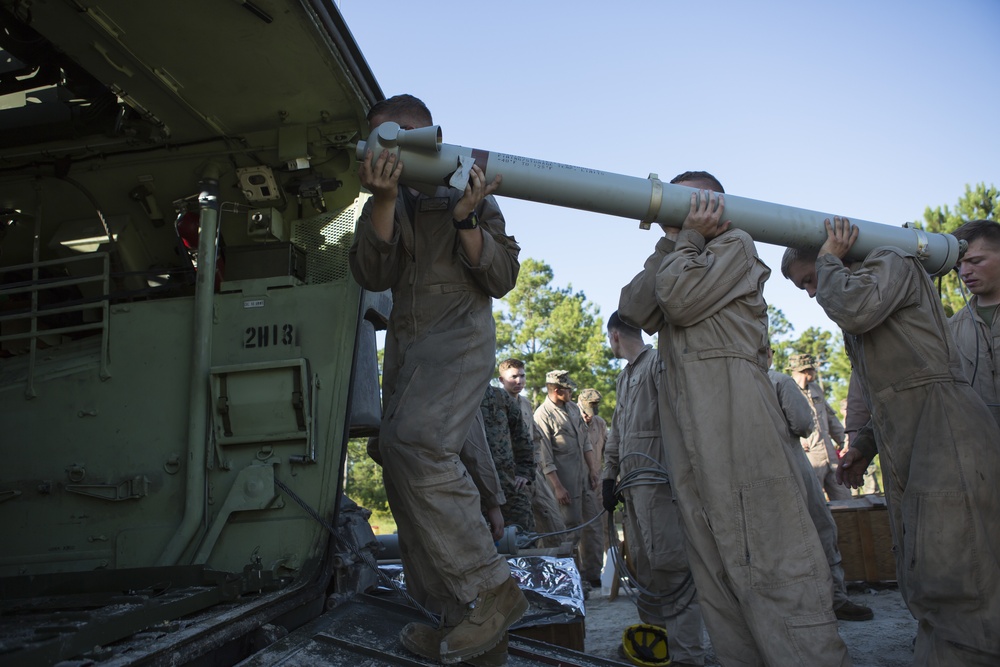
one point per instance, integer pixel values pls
(513, 453)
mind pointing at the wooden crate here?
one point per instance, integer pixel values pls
(864, 539)
(568, 635)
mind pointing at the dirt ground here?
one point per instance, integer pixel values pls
(885, 641)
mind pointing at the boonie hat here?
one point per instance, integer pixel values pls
(560, 379)
(801, 362)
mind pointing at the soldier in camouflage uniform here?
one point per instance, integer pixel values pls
(547, 515)
(513, 454)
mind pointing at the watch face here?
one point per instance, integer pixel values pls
(470, 222)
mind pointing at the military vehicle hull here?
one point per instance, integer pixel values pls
(183, 353)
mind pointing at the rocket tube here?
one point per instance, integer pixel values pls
(428, 161)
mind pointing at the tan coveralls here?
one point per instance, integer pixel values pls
(594, 542)
(422, 578)
(973, 335)
(799, 417)
(562, 439)
(439, 356)
(856, 417)
(544, 506)
(818, 444)
(762, 577)
(940, 451)
(653, 527)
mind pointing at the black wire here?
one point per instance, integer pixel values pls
(365, 557)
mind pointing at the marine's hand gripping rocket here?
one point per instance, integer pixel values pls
(426, 160)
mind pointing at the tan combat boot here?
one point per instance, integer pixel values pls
(425, 641)
(485, 622)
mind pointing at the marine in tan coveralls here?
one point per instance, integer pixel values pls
(652, 521)
(420, 570)
(444, 257)
(799, 417)
(976, 327)
(594, 542)
(856, 417)
(827, 429)
(762, 577)
(936, 438)
(566, 457)
(544, 506)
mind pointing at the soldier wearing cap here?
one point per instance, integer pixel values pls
(545, 509)
(565, 454)
(594, 542)
(827, 429)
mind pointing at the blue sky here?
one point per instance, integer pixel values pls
(873, 109)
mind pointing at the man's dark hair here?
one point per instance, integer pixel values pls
(698, 176)
(403, 109)
(616, 323)
(988, 230)
(793, 255)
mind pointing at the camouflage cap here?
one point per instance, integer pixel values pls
(801, 362)
(588, 400)
(560, 379)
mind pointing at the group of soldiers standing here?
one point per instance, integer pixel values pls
(727, 465)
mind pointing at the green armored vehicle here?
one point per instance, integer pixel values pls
(183, 353)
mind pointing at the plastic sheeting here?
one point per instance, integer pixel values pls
(552, 586)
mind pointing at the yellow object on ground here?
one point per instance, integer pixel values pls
(646, 645)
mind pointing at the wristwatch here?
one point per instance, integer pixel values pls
(470, 222)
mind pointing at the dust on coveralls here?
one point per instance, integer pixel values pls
(762, 577)
(939, 449)
(439, 357)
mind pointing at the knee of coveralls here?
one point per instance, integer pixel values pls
(436, 494)
(572, 516)
(656, 546)
(592, 540)
(783, 577)
(934, 650)
(948, 576)
(948, 568)
(685, 630)
(826, 527)
(732, 640)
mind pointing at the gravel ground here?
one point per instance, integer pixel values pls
(885, 641)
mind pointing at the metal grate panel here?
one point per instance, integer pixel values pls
(327, 239)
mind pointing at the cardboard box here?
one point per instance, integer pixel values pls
(864, 539)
